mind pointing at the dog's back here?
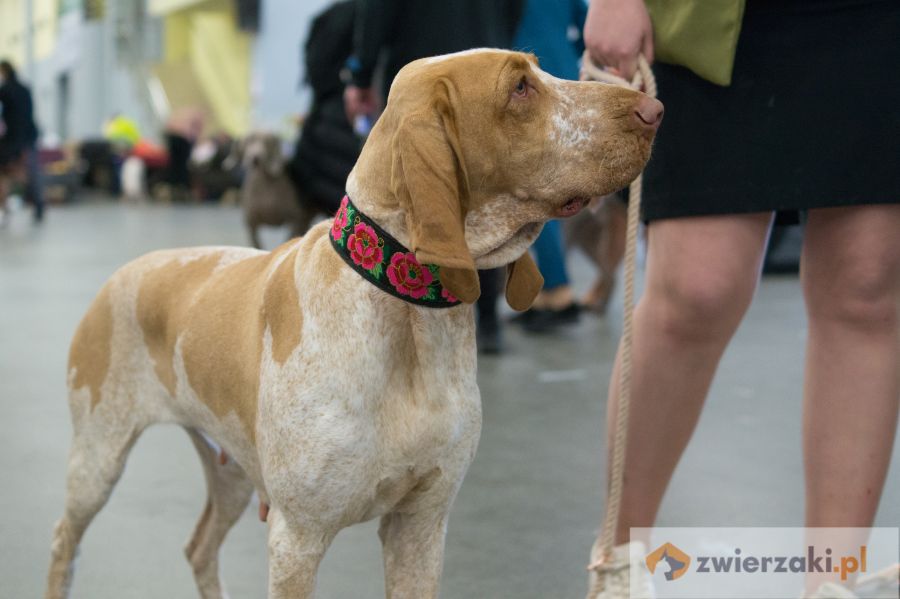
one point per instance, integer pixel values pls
(197, 314)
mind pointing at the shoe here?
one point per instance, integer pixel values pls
(527, 316)
(884, 584)
(489, 337)
(38, 216)
(547, 320)
(625, 572)
(831, 590)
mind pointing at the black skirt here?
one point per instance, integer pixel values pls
(811, 119)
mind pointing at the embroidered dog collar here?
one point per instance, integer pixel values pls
(385, 262)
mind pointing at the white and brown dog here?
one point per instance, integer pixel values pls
(338, 371)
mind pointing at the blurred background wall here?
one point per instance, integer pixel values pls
(237, 60)
(277, 68)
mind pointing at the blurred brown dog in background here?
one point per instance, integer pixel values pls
(599, 232)
(268, 195)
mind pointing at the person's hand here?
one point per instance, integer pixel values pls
(359, 101)
(616, 32)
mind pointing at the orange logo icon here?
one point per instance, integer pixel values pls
(677, 560)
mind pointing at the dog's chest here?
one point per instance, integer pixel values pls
(377, 404)
(402, 489)
(376, 433)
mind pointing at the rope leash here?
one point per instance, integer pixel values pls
(643, 81)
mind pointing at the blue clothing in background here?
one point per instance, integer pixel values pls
(551, 255)
(545, 30)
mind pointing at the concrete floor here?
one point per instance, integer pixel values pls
(525, 518)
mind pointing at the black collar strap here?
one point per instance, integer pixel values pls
(385, 262)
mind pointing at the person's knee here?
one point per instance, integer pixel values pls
(866, 295)
(701, 306)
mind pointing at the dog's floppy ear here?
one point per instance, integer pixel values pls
(428, 177)
(523, 283)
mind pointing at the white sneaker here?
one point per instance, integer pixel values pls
(612, 580)
(884, 584)
(831, 590)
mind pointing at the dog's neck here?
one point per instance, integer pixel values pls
(380, 205)
(380, 259)
(431, 330)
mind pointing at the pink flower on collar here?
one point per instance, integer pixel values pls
(340, 220)
(448, 296)
(364, 247)
(408, 276)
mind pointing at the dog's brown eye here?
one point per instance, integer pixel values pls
(521, 89)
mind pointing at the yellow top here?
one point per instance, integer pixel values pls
(121, 129)
(701, 35)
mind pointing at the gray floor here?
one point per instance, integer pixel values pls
(525, 517)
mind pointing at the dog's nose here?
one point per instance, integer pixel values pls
(649, 112)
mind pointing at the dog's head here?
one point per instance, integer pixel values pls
(480, 148)
(261, 150)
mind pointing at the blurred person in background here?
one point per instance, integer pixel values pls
(769, 106)
(123, 134)
(182, 131)
(216, 172)
(551, 29)
(18, 143)
(328, 147)
(600, 235)
(400, 31)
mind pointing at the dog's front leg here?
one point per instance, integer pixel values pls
(294, 557)
(413, 546)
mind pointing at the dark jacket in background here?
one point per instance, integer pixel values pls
(18, 115)
(411, 29)
(328, 147)
(406, 30)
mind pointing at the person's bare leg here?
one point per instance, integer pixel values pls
(557, 298)
(701, 275)
(851, 281)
